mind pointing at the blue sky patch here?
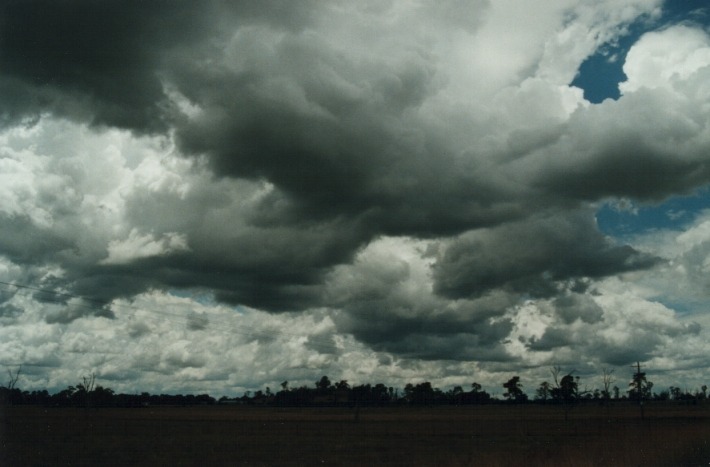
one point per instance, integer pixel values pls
(623, 218)
(600, 74)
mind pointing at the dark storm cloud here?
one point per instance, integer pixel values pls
(23, 242)
(429, 339)
(260, 263)
(100, 62)
(577, 306)
(336, 132)
(343, 135)
(551, 339)
(277, 102)
(337, 138)
(84, 59)
(534, 256)
(455, 346)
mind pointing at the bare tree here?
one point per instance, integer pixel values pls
(85, 389)
(89, 382)
(13, 377)
(607, 381)
(11, 384)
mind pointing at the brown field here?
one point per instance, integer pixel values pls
(442, 436)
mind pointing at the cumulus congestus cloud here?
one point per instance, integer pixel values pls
(419, 176)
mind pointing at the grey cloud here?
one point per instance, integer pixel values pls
(382, 304)
(551, 339)
(578, 306)
(428, 334)
(626, 148)
(455, 346)
(639, 348)
(338, 136)
(328, 133)
(9, 313)
(7, 292)
(24, 242)
(535, 256)
(335, 130)
(172, 361)
(138, 329)
(75, 309)
(618, 333)
(100, 62)
(197, 321)
(98, 53)
(323, 343)
(350, 136)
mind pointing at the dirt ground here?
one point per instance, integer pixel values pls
(441, 436)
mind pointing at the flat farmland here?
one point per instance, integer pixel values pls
(441, 436)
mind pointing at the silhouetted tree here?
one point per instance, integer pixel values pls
(567, 391)
(542, 393)
(342, 384)
(639, 387)
(476, 396)
(422, 394)
(664, 395)
(456, 395)
(514, 390)
(102, 397)
(323, 384)
(380, 394)
(675, 393)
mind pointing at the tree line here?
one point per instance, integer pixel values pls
(562, 388)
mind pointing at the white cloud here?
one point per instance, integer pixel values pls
(667, 58)
(138, 246)
(698, 234)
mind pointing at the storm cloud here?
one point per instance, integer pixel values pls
(415, 175)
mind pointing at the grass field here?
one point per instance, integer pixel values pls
(478, 435)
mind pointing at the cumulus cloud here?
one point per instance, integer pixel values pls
(143, 246)
(667, 59)
(539, 256)
(386, 299)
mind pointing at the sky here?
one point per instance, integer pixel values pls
(216, 197)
